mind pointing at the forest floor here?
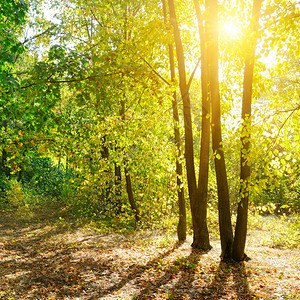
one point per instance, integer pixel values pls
(42, 259)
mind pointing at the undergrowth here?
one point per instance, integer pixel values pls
(33, 208)
(276, 231)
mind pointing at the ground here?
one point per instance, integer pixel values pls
(46, 260)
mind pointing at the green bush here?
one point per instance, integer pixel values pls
(4, 187)
(43, 177)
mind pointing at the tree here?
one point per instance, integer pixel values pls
(242, 213)
(107, 71)
(226, 234)
(12, 17)
(181, 228)
(201, 204)
(198, 205)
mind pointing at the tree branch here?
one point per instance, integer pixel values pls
(74, 79)
(99, 23)
(192, 75)
(155, 72)
(39, 34)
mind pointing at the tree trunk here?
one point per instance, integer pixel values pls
(106, 194)
(225, 225)
(118, 179)
(181, 227)
(201, 237)
(4, 167)
(127, 175)
(129, 190)
(130, 196)
(201, 203)
(238, 252)
(188, 137)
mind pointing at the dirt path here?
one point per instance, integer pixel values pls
(39, 261)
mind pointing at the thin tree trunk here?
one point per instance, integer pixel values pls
(4, 167)
(130, 196)
(188, 137)
(225, 225)
(201, 203)
(238, 252)
(181, 227)
(104, 151)
(129, 189)
(118, 179)
(3, 163)
(198, 210)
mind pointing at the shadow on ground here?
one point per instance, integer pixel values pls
(43, 261)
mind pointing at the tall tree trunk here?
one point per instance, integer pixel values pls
(181, 227)
(238, 252)
(225, 225)
(201, 203)
(201, 237)
(188, 137)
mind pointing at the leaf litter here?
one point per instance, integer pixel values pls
(42, 261)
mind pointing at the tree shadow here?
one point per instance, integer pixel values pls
(186, 266)
(55, 274)
(229, 277)
(241, 284)
(184, 285)
(135, 271)
(32, 264)
(21, 240)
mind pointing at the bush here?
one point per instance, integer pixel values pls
(42, 176)
(4, 183)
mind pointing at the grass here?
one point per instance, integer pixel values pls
(276, 231)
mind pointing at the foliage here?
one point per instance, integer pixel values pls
(43, 177)
(90, 94)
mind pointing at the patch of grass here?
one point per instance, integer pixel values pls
(273, 231)
(164, 241)
(213, 222)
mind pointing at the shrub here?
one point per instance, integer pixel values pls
(43, 177)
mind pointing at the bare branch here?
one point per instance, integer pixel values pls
(99, 23)
(154, 71)
(39, 34)
(192, 75)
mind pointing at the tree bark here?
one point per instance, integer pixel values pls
(239, 243)
(201, 237)
(118, 179)
(201, 203)
(130, 196)
(226, 233)
(181, 227)
(188, 137)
